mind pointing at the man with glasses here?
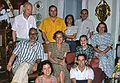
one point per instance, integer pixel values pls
(25, 57)
(85, 25)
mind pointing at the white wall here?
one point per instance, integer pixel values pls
(43, 11)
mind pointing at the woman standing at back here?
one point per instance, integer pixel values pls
(70, 32)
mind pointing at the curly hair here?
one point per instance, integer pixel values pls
(59, 32)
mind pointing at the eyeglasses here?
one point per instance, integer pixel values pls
(33, 34)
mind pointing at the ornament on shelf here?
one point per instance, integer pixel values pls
(38, 5)
(10, 6)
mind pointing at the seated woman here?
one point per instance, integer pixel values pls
(85, 48)
(56, 54)
(102, 43)
(47, 71)
(71, 32)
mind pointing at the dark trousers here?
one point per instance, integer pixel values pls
(72, 45)
(81, 81)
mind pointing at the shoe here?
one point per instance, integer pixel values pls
(13, 82)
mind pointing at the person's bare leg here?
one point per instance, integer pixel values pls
(58, 78)
(62, 77)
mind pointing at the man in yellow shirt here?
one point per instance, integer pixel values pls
(51, 24)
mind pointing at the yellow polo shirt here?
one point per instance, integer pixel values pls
(49, 27)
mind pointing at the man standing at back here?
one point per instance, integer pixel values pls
(85, 25)
(23, 23)
(51, 24)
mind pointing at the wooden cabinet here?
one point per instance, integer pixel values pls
(118, 50)
(5, 37)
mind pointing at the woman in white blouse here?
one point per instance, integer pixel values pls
(71, 32)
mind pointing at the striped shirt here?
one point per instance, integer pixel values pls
(25, 53)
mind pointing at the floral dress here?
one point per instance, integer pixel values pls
(89, 52)
(58, 55)
(106, 61)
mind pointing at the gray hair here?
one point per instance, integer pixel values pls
(26, 4)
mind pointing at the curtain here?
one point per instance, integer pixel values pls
(72, 7)
(60, 8)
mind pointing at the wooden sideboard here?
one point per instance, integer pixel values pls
(5, 38)
(118, 50)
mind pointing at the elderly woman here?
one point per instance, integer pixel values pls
(56, 54)
(102, 43)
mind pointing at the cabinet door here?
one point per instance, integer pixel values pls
(118, 50)
(3, 49)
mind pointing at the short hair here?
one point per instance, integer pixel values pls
(26, 4)
(46, 62)
(33, 29)
(84, 10)
(59, 32)
(82, 55)
(97, 29)
(85, 36)
(52, 6)
(72, 19)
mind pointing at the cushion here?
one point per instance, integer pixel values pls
(70, 59)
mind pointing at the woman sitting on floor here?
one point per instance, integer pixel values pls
(46, 76)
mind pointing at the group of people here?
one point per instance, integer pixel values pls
(60, 37)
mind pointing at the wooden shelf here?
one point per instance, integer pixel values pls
(5, 37)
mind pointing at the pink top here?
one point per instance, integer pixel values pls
(42, 79)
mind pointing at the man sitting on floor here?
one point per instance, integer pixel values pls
(82, 73)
